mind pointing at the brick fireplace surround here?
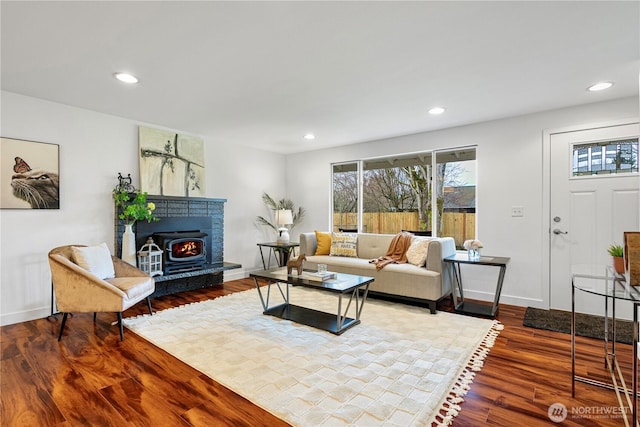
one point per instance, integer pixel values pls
(179, 214)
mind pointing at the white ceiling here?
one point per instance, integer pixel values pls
(263, 74)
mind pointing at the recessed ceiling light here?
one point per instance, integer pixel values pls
(436, 110)
(310, 136)
(600, 86)
(126, 77)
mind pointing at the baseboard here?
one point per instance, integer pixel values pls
(40, 313)
(236, 274)
(24, 316)
(507, 299)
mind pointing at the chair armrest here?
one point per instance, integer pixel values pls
(124, 269)
(73, 283)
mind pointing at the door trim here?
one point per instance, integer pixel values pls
(546, 194)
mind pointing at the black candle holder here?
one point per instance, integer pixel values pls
(124, 184)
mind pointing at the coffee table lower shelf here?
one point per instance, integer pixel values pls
(310, 317)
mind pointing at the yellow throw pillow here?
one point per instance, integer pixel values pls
(344, 244)
(324, 243)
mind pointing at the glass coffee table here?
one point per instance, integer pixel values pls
(614, 288)
(343, 284)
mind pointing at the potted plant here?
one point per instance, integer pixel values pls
(132, 207)
(617, 252)
(273, 205)
(297, 216)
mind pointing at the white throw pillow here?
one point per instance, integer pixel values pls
(95, 259)
(417, 252)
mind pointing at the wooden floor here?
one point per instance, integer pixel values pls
(91, 378)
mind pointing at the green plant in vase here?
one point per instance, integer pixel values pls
(617, 252)
(132, 207)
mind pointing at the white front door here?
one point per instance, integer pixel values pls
(587, 212)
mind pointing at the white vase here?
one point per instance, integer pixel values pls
(129, 245)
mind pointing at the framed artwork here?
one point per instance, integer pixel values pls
(29, 174)
(171, 164)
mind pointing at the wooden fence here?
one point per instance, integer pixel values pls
(459, 225)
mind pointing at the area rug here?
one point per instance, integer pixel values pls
(400, 367)
(586, 325)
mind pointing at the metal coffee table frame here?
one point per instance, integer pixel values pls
(343, 284)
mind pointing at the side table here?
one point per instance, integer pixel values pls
(280, 251)
(614, 287)
(469, 307)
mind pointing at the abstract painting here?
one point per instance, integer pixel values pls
(29, 174)
(171, 164)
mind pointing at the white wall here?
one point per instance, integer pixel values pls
(94, 147)
(510, 165)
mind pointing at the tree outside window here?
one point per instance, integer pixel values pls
(398, 194)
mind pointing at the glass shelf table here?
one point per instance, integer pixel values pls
(612, 287)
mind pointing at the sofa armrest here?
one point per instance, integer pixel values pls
(308, 243)
(439, 248)
(448, 246)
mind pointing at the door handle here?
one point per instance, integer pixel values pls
(558, 231)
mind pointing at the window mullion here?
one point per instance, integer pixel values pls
(360, 195)
(434, 196)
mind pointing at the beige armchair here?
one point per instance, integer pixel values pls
(78, 290)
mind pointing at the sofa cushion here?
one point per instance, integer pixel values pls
(344, 244)
(395, 279)
(324, 243)
(417, 252)
(94, 259)
(371, 246)
(313, 261)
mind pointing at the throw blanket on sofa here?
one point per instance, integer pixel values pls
(397, 252)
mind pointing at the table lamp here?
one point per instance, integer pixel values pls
(283, 218)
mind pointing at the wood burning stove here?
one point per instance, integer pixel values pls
(182, 250)
(185, 213)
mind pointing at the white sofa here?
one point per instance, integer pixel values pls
(427, 284)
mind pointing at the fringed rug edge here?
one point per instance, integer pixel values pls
(450, 407)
